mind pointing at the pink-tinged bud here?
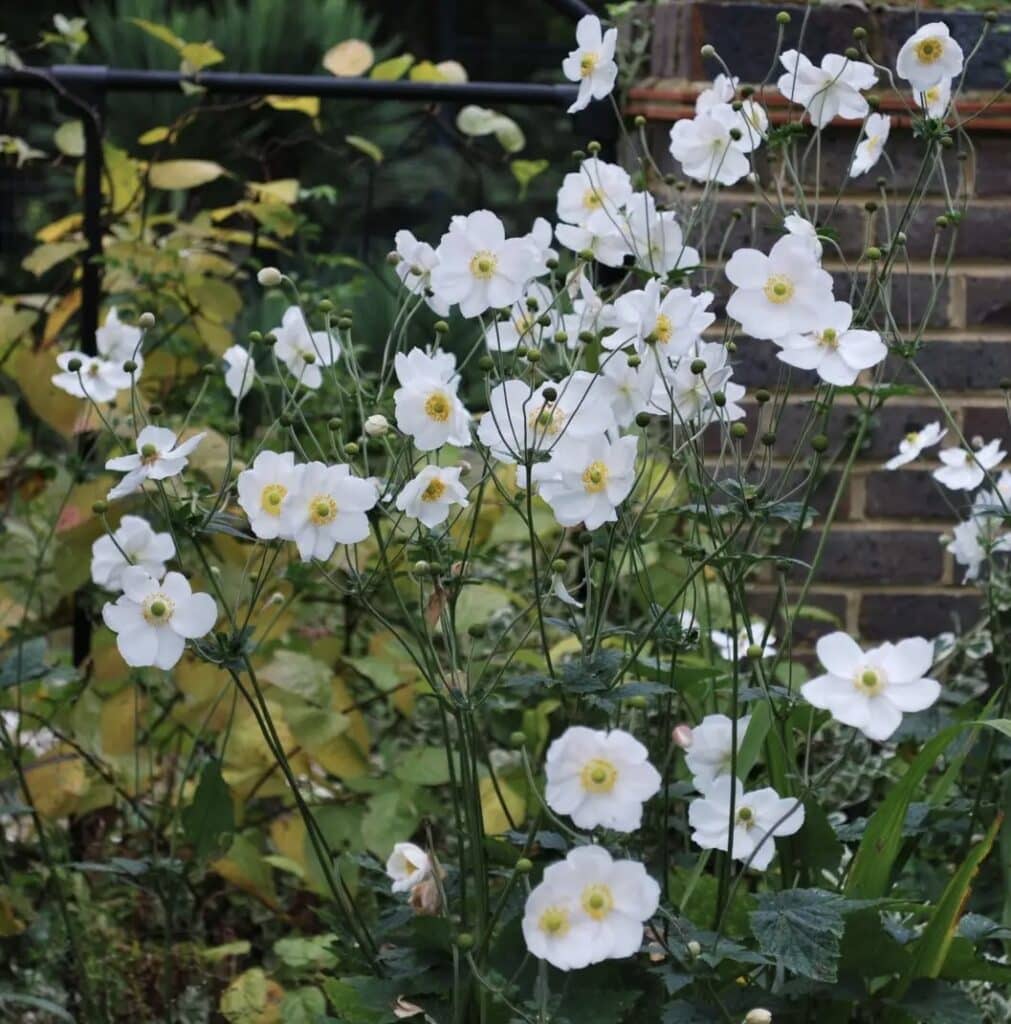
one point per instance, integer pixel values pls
(425, 898)
(682, 736)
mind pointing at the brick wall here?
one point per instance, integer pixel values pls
(884, 570)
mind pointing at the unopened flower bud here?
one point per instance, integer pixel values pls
(377, 425)
(269, 277)
(421, 567)
(393, 258)
(758, 1016)
(524, 866)
(782, 18)
(99, 508)
(682, 736)
(146, 321)
(819, 442)
(708, 51)
(698, 366)
(351, 449)
(738, 430)
(694, 949)
(558, 565)
(73, 365)
(518, 739)
(549, 394)
(129, 366)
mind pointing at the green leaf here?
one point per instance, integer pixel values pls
(47, 1006)
(423, 766)
(69, 138)
(392, 69)
(1002, 725)
(871, 870)
(802, 929)
(366, 146)
(307, 954)
(301, 674)
(524, 171)
(303, 1006)
(932, 947)
(934, 1002)
(361, 1000)
(210, 819)
(391, 817)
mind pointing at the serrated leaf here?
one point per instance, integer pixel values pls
(210, 818)
(802, 929)
(183, 174)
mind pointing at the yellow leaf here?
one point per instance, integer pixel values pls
(47, 255)
(495, 819)
(160, 32)
(180, 174)
(32, 371)
(119, 717)
(426, 71)
(154, 135)
(8, 425)
(392, 69)
(200, 55)
(245, 868)
(308, 105)
(14, 323)
(55, 231)
(56, 782)
(284, 190)
(349, 59)
(370, 149)
(68, 305)
(452, 71)
(69, 138)
(252, 998)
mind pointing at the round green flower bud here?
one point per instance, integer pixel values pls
(870, 206)
(129, 366)
(768, 439)
(593, 148)
(270, 339)
(464, 940)
(640, 121)
(738, 430)
(561, 337)
(698, 366)
(731, 346)
(334, 423)
(486, 363)
(642, 419)
(708, 51)
(782, 18)
(99, 508)
(549, 394)
(638, 701)
(735, 134)
(859, 32)
(255, 337)
(942, 222)
(518, 739)
(873, 253)
(421, 567)
(719, 399)
(351, 448)
(524, 866)
(233, 428)
(852, 53)
(477, 630)
(325, 306)
(440, 327)
(345, 323)
(585, 537)
(146, 321)
(558, 565)
(533, 355)
(819, 443)
(286, 419)
(155, 409)
(578, 155)
(634, 360)
(754, 652)
(762, 396)
(586, 337)
(73, 365)
(947, 141)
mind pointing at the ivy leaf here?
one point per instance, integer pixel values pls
(211, 816)
(802, 928)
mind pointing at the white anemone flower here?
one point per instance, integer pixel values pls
(158, 457)
(589, 313)
(633, 385)
(95, 378)
(835, 351)
(430, 494)
(785, 292)
(762, 636)
(964, 470)
(915, 443)
(133, 542)
(414, 268)
(687, 387)
(709, 755)
(589, 908)
(519, 418)
(239, 372)
(830, 91)
(302, 351)
(263, 489)
(407, 866)
(759, 817)
(656, 237)
(426, 404)
(605, 240)
(326, 506)
(117, 341)
(153, 619)
(597, 189)
(524, 325)
(540, 237)
(753, 121)
(870, 690)
(591, 63)
(670, 322)
(586, 481)
(929, 56)
(800, 227)
(876, 129)
(706, 148)
(479, 268)
(981, 535)
(936, 100)
(599, 778)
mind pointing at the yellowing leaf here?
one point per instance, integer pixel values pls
(524, 171)
(426, 71)
(8, 425)
(308, 105)
(370, 149)
(68, 305)
(392, 69)
(452, 71)
(119, 721)
(47, 255)
(494, 816)
(69, 138)
(160, 32)
(154, 135)
(284, 190)
(55, 231)
(349, 59)
(200, 55)
(252, 998)
(181, 174)
(14, 323)
(476, 121)
(245, 868)
(56, 782)
(32, 371)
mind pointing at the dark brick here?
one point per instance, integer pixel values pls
(957, 365)
(892, 423)
(984, 232)
(987, 422)
(897, 616)
(876, 556)
(907, 494)
(992, 157)
(805, 628)
(988, 300)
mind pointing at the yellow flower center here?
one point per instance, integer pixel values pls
(322, 510)
(94, 369)
(437, 406)
(746, 817)
(779, 289)
(271, 498)
(554, 921)
(434, 491)
(662, 329)
(598, 776)
(587, 63)
(592, 199)
(148, 454)
(597, 901)
(912, 437)
(483, 264)
(829, 338)
(870, 681)
(929, 50)
(933, 94)
(546, 421)
(595, 477)
(157, 609)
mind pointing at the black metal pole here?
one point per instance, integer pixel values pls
(573, 8)
(91, 282)
(75, 77)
